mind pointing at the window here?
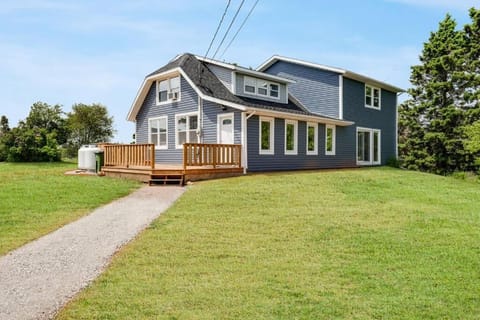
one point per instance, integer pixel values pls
(290, 137)
(186, 126)
(312, 134)
(330, 140)
(250, 84)
(158, 132)
(372, 97)
(168, 90)
(266, 129)
(261, 87)
(368, 146)
(274, 90)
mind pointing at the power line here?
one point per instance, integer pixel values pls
(240, 28)
(229, 27)
(218, 28)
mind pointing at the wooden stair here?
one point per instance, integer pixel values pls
(166, 179)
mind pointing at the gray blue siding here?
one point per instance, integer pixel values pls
(239, 80)
(384, 119)
(188, 103)
(210, 127)
(223, 74)
(317, 90)
(344, 157)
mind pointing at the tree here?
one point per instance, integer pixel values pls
(88, 124)
(50, 118)
(4, 126)
(472, 143)
(432, 122)
(4, 132)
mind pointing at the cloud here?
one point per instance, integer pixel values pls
(443, 4)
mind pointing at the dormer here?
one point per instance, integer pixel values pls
(249, 83)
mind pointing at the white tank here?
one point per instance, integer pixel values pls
(86, 157)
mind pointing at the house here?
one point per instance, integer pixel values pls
(287, 114)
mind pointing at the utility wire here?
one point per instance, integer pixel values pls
(218, 28)
(240, 28)
(229, 27)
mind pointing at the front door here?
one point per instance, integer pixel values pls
(225, 128)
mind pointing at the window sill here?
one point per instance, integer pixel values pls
(167, 102)
(374, 108)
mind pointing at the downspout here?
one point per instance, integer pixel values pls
(244, 140)
(200, 120)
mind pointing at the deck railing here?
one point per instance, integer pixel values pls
(215, 155)
(129, 155)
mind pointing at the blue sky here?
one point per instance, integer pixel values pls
(65, 52)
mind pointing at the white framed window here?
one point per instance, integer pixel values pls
(330, 139)
(312, 138)
(186, 127)
(372, 97)
(158, 132)
(168, 90)
(291, 136)
(368, 146)
(266, 135)
(250, 85)
(260, 87)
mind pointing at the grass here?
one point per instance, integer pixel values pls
(37, 198)
(376, 243)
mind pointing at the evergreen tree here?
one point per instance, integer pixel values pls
(431, 123)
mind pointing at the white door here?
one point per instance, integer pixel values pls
(225, 129)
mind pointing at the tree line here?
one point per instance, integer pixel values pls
(439, 126)
(48, 132)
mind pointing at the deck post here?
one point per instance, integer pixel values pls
(185, 157)
(152, 156)
(215, 156)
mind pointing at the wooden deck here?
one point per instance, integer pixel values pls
(200, 162)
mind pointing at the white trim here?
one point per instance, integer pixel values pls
(295, 137)
(340, 96)
(396, 126)
(371, 131)
(314, 152)
(234, 82)
(200, 120)
(243, 138)
(275, 58)
(344, 72)
(372, 90)
(334, 140)
(188, 114)
(158, 147)
(222, 116)
(271, 138)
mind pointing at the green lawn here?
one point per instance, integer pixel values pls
(38, 198)
(375, 243)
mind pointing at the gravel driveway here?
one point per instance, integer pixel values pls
(37, 279)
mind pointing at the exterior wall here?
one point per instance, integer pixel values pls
(223, 74)
(210, 127)
(354, 109)
(317, 90)
(344, 156)
(240, 90)
(188, 103)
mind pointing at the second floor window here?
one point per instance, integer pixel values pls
(261, 87)
(372, 97)
(168, 90)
